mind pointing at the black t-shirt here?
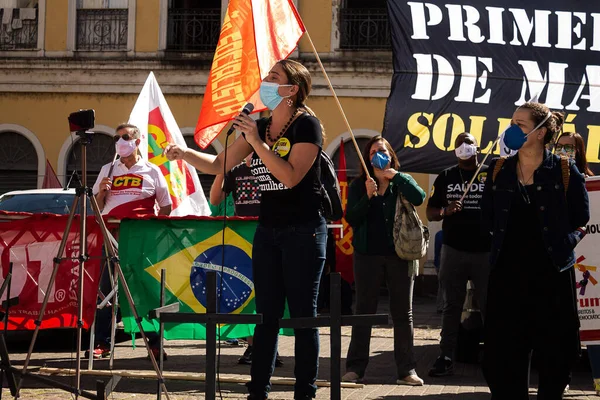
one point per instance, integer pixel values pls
(244, 188)
(280, 205)
(462, 230)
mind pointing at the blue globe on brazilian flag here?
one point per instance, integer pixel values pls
(187, 250)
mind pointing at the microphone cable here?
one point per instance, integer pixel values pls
(248, 108)
(222, 266)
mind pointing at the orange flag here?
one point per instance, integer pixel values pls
(50, 179)
(255, 35)
(343, 245)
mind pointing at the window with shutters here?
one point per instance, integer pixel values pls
(364, 25)
(193, 26)
(18, 24)
(101, 151)
(102, 25)
(18, 163)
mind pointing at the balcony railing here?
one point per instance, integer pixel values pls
(193, 30)
(364, 29)
(102, 29)
(19, 31)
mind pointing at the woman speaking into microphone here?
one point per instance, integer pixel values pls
(288, 252)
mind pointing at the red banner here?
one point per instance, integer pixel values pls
(254, 36)
(344, 249)
(31, 244)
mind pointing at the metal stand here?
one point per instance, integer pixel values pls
(5, 367)
(80, 199)
(211, 319)
(335, 321)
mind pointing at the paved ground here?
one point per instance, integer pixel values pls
(188, 356)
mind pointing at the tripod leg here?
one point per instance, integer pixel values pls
(120, 275)
(80, 282)
(57, 261)
(115, 307)
(93, 327)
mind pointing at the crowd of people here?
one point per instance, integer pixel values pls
(534, 207)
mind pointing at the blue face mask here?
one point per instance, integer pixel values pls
(269, 94)
(380, 160)
(515, 138)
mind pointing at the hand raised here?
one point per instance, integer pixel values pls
(174, 152)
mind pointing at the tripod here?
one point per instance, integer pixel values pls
(83, 193)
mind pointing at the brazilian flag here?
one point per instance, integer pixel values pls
(187, 249)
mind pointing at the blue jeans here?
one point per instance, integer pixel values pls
(287, 263)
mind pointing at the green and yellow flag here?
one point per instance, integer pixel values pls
(187, 250)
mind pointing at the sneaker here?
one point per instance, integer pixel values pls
(232, 342)
(410, 380)
(156, 353)
(278, 361)
(351, 376)
(443, 366)
(246, 358)
(101, 350)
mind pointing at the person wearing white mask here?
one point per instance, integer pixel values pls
(128, 187)
(465, 250)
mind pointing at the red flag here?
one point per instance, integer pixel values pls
(255, 35)
(31, 244)
(50, 179)
(344, 249)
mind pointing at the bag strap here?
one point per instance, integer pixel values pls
(497, 168)
(566, 172)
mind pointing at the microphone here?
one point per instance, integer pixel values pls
(248, 108)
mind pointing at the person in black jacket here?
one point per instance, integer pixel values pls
(536, 206)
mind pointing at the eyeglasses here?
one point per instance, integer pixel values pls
(566, 147)
(126, 137)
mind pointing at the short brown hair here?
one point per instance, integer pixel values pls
(136, 131)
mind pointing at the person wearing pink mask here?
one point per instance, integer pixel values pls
(129, 187)
(132, 186)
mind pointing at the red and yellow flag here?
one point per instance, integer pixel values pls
(343, 245)
(255, 35)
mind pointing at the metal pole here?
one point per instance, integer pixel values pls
(335, 311)
(161, 330)
(57, 261)
(211, 336)
(82, 259)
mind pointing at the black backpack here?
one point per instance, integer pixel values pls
(331, 199)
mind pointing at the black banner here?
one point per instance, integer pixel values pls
(465, 65)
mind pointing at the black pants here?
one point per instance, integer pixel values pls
(524, 319)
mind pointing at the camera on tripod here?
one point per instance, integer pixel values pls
(81, 121)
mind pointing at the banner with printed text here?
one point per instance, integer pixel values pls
(465, 66)
(31, 244)
(587, 270)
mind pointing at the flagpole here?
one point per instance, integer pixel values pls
(358, 151)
